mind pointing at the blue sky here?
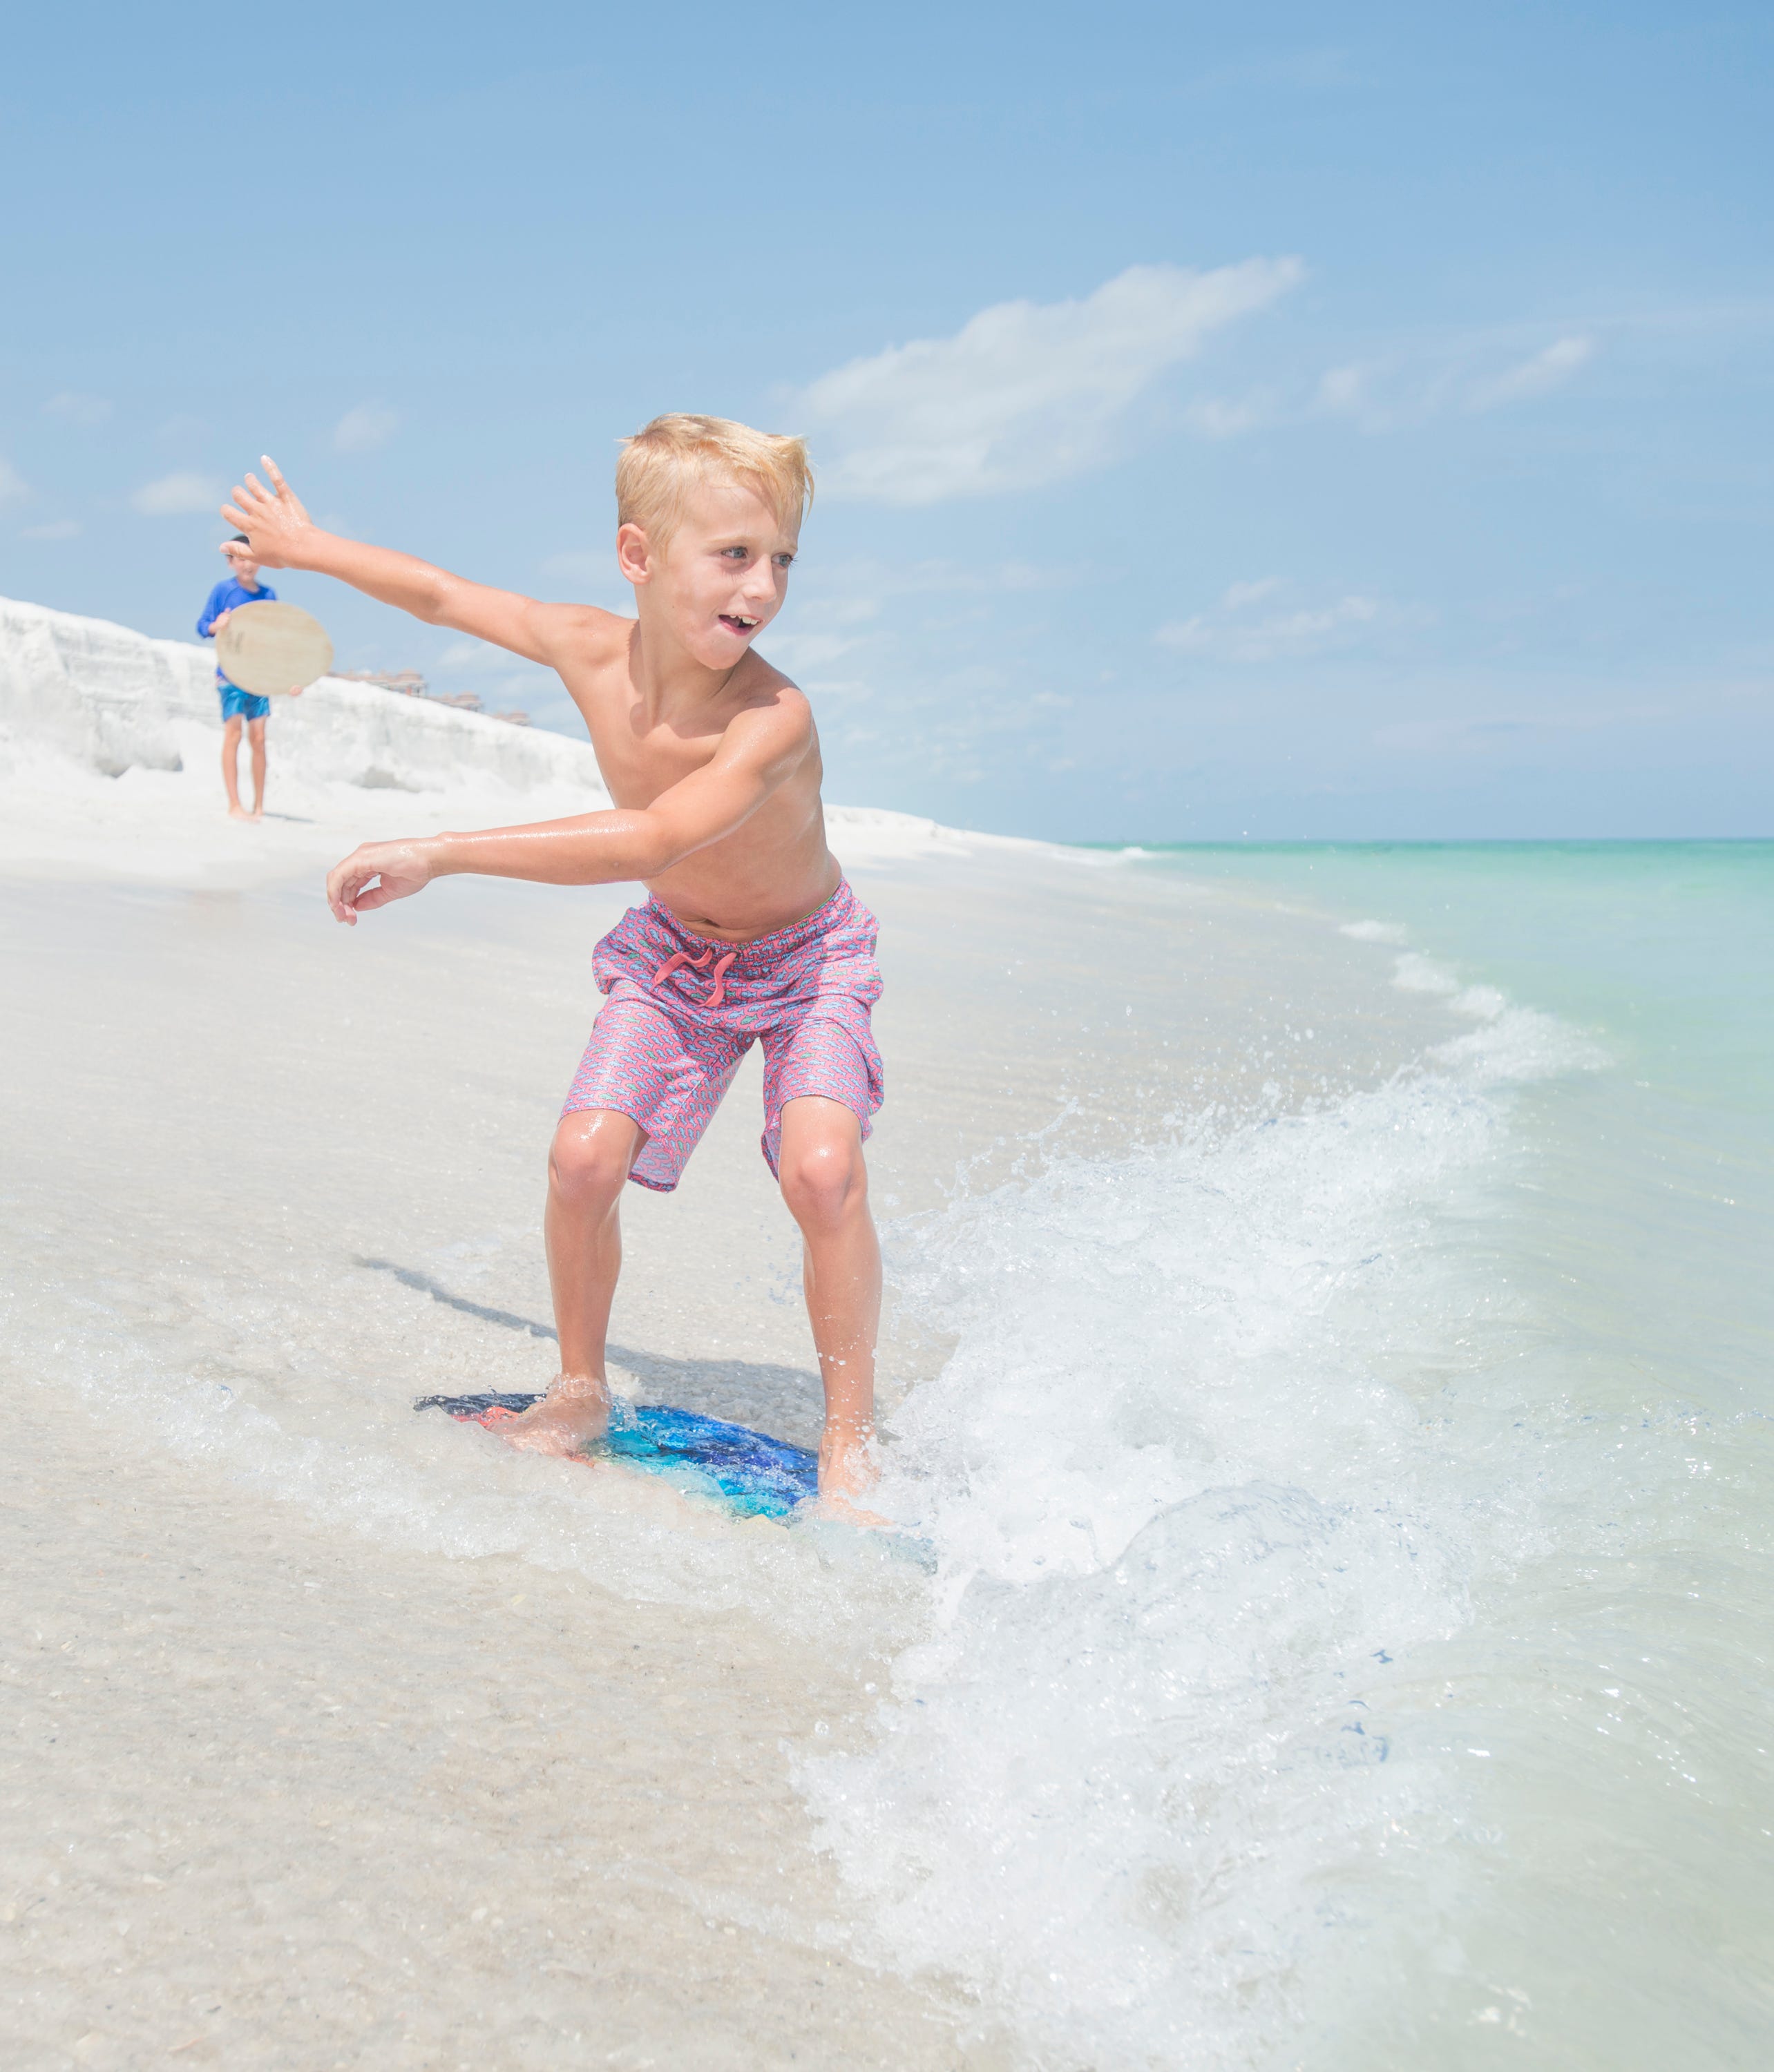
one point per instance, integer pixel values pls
(1286, 421)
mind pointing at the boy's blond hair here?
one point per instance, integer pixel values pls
(664, 462)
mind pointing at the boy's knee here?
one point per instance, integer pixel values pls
(589, 1160)
(823, 1179)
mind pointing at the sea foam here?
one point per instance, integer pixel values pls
(1201, 1508)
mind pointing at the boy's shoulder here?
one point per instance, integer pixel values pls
(765, 684)
(588, 632)
(770, 707)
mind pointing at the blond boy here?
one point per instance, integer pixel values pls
(750, 933)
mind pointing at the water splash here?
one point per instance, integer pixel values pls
(1211, 1472)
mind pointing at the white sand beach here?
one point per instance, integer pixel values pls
(345, 1736)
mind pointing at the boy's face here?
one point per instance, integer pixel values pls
(241, 563)
(721, 576)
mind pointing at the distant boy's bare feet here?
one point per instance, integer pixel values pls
(239, 813)
(574, 1412)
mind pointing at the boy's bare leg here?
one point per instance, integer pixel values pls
(231, 749)
(587, 1169)
(825, 1183)
(255, 734)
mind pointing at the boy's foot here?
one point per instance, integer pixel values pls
(238, 813)
(847, 1472)
(575, 1412)
(841, 1512)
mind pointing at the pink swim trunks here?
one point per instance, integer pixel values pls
(684, 1009)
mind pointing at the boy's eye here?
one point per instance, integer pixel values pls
(732, 553)
(783, 561)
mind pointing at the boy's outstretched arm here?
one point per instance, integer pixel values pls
(759, 750)
(284, 537)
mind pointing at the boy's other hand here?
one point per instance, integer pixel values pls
(220, 621)
(399, 869)
(274, 520)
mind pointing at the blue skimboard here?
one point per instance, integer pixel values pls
(745, 1472)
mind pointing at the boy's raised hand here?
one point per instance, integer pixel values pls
(273, 519)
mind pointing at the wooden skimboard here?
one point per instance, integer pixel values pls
(745, 1472)
(272, 648)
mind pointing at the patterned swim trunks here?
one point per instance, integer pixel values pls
(683, 1011)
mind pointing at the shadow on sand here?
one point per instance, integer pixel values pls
(744, 1389)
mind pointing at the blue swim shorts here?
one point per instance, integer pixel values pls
(237, 704)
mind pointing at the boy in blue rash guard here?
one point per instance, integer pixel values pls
(240, 585)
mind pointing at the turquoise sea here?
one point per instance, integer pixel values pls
(1622, 1661)
(1654, 1212)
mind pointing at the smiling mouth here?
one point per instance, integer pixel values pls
(736, 621)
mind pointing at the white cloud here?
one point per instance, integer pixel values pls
(1219, 418)
(1231, 633)
(363, 430)
(1381, 395)
(474, 655)
(178, 495)
(1344, 391)
(88, 411)
(1025, 394)
(1532, 377)
(837, 609)
(57, 529)
(484, 658)
(797, 652)
(14, 488)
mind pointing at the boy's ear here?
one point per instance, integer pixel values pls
(634, 554)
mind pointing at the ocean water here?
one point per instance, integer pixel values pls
(1351, 1641)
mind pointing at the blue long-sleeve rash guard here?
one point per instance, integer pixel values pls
(229, 592)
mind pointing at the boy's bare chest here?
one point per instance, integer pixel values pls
(638, 761)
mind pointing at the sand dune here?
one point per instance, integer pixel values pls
(109, 741)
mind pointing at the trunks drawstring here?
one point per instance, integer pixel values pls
(679, 957)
